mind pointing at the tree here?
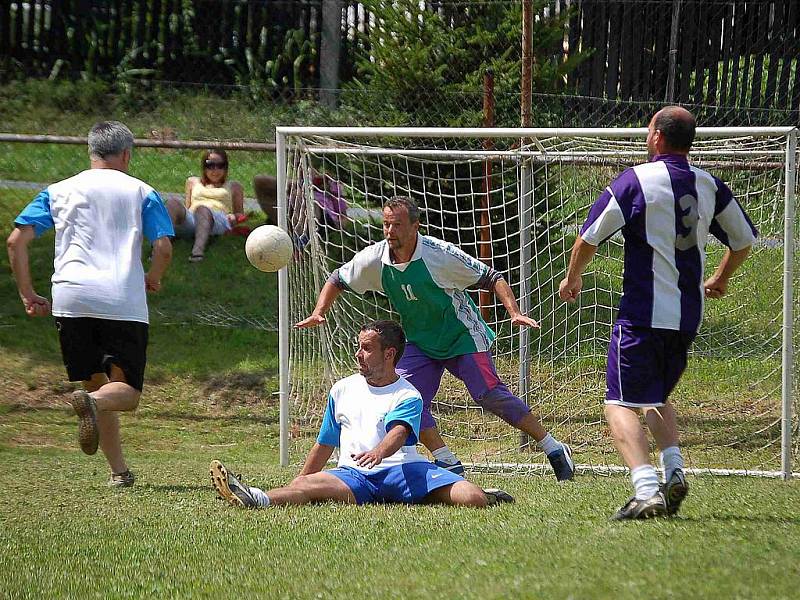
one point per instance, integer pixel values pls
(426, 63)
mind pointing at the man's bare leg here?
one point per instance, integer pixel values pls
(461, 493)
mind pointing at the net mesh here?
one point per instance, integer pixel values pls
(517, 205)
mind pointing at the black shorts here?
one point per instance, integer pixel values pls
(90, 346)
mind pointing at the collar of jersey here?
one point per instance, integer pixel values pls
(671, 158)
(387, 259)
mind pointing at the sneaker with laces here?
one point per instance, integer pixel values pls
(496, 496)
(228, 486)
(86, 409)
(455, 467)
(121, 480)
(561, 461)
(654, 506)
(675, 490)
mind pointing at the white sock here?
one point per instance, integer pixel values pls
(550, 444)
(645, 481)
(443, 454)
(671, 459)
(261, 498)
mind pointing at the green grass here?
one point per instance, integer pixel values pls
(64, 534)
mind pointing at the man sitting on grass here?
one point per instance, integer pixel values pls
(373, 418)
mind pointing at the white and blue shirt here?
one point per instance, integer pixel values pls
(666, 208)
(100, 217)
(358, 416)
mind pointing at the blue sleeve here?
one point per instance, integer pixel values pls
(408, 412)
(331, 430)
(155, 218)
(37, 213)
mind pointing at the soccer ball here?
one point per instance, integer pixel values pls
(268, 248)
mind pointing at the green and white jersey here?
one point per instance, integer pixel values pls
(429, 294)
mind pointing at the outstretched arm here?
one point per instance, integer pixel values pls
(326, 299)
(17, 244)
(505, 294)
(162, 256)
(582, 253)
(237, 201)
(390, 444)
(317, 458)
(716, 286)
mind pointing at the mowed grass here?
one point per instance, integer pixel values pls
(209, 394)
(64, 534)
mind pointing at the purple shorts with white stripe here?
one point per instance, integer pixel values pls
(645, 364)
(478, 373)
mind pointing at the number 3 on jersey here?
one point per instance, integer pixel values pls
(686, 239)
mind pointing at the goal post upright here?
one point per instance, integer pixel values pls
(283, 306)
(787, 357)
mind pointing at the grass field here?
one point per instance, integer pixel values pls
(209, 394)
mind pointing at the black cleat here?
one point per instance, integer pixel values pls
(675, 491)
(654, 506)
(230, 489)
(121, 480)
(561, 461)
(495, 496)
(86, 409)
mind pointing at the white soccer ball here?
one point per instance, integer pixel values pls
(268, 248)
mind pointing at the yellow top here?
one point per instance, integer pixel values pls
(213, 198)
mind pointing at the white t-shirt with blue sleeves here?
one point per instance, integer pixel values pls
(359, 415)
(100, 217)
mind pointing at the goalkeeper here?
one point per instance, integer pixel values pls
(373, 418)
(425, 280)
(665, 208)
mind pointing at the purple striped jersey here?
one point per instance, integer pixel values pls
(666, 208)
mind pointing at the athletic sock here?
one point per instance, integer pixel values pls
(645, 481)
(444, 455)
(671, 459)
(550, 444)
(261, 498)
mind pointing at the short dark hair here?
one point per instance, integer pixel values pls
(677, 125)
(391, 335)
(409, 204)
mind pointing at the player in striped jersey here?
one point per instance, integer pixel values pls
(665, 209)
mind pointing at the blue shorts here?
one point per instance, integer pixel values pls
(409, 483)
(645, 364)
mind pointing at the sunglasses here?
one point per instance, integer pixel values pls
(212, 164)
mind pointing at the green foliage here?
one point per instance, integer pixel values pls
(429, 66)
(72, 97)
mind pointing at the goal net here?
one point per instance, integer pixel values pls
(516, 199)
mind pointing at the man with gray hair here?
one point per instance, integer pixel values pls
(99, 283)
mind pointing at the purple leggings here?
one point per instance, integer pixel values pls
(475, 370)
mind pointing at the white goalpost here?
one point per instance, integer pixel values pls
(518, 207)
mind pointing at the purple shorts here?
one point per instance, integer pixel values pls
(644, 364)
(476, 370)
